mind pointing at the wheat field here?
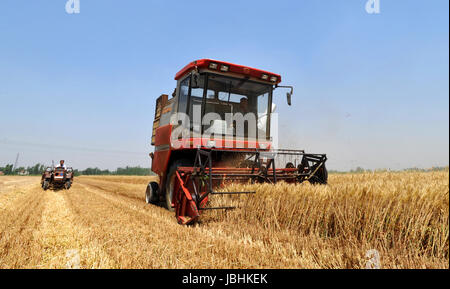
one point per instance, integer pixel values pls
(104, 222)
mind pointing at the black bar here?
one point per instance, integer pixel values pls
(273, 278)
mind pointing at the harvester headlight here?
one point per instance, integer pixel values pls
(224, 68)
(211, 144)
(264, 77)
(213, 65)
(263, 146)
(274, 79)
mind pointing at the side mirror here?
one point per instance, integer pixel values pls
(289, 93)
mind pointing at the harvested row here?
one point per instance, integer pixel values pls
(20, 216)
(143, 236)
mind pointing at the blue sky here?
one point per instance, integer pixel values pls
(371, 90)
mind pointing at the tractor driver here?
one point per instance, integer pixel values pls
(61, 164)
(243, 105)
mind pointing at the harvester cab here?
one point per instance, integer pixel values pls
(217, 128)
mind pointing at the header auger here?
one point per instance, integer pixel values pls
(216, 129)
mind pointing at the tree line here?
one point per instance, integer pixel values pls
(127, 171)
(9, 169)
(362, 170)
(38, 169)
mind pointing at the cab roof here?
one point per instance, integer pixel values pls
(225, 67)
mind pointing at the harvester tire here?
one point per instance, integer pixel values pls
(45, 185)
(152, 193)
(170, 181)
(320, 177)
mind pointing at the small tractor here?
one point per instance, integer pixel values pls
(57, 178)
(216, 128)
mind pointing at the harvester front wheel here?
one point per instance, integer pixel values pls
(320, 177)
(152, 193)
(170, 181)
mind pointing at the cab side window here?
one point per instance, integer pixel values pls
(184, 95)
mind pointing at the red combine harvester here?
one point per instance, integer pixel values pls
(216, 128)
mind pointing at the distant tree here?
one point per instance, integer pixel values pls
(127, 171)
(135, 171)
(18, 170)
(37, 169)
(8, 169)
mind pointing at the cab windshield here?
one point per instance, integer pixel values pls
(222, 101)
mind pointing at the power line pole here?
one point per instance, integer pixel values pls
(17, 160)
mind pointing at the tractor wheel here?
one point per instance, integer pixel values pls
(152, 193)
(290, 166)
(45, 185)
(170, 181)
(67, 185)
(321, 176)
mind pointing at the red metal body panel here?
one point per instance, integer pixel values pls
(162, 136)
(162, 155)
(234, 68)
(160, 162)
(222, 143)
(185, 208)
